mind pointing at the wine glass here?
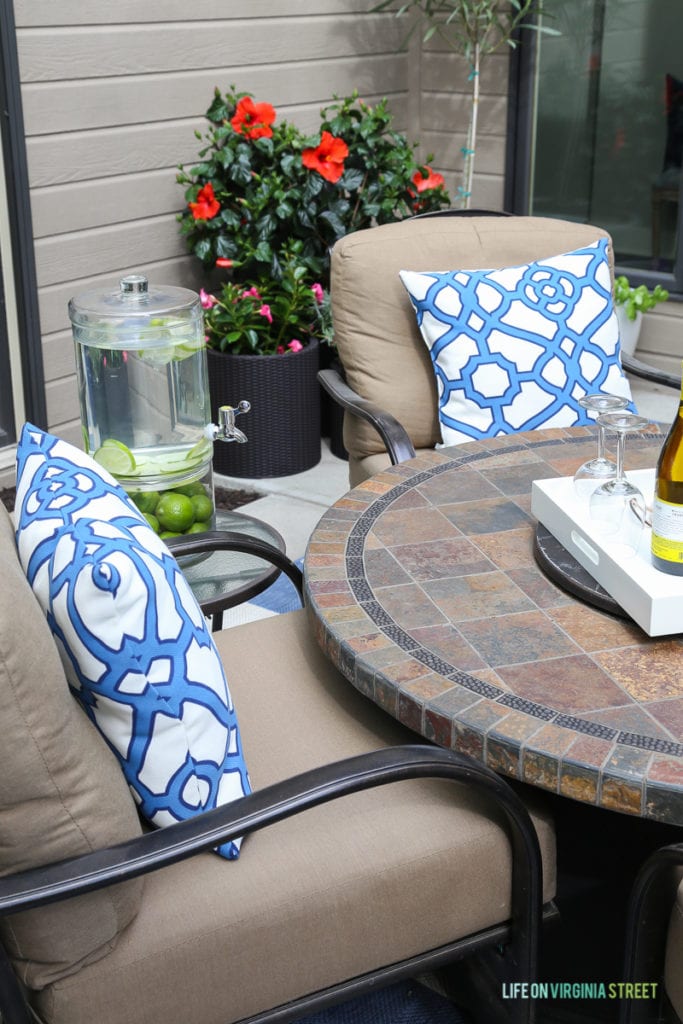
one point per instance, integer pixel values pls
(617, 507)
(594, 472)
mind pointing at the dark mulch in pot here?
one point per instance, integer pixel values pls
(229, 500)
(225, 499)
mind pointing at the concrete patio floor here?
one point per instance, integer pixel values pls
(294, 504)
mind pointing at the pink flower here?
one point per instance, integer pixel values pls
(280, 350)
(318, 293)
(251, 292)
(294, 345)
(265, 311)
(207, 300)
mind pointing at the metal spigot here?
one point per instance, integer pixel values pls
(226, 429)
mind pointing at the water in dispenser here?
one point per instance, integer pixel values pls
(144, 399)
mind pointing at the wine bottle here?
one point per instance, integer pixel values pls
(667, 511)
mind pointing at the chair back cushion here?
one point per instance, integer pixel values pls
(384, 358)
(61, 790)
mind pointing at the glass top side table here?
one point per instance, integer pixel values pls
(224, 579)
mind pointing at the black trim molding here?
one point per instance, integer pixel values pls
(518, 151)
(20, 223)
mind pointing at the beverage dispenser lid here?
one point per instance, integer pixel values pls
(134, 311)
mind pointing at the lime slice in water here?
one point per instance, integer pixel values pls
(188, 348)
(201, 451)
(115, 457)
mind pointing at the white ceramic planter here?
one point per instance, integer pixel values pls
(629, 330)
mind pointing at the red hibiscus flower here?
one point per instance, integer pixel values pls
(327, 158)
(431, 180)
(206, 206)
(223, 261)
(253, 119)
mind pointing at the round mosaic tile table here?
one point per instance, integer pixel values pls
(423, 589)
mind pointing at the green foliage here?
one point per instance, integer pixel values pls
(270, 316)
(273, 208)
(639, 299)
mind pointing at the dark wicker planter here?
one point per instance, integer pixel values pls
(283, 426)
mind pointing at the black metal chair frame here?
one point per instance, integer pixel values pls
(652, 897)
(231, 540)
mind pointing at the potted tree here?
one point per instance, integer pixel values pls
(474, 29)
(264, 205)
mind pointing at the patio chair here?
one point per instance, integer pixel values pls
(654, 939)
(387, 386)
(341, 887)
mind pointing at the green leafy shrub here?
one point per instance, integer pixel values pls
(639, 299)
(264, 193)
(271, 317)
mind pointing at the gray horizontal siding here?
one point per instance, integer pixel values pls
(97, 51)
(104, 103)
(113, 95)
(38, 13)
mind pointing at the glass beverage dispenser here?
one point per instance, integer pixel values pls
(144, 399)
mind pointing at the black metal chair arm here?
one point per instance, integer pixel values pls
(651, 373)
(652, 897)
(397, 442)
(227, 540)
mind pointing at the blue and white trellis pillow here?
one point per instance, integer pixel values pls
(135, 644)
(515, 349)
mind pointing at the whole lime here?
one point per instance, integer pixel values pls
(146, 501)
(174, 512)
(152, 520)
(198, 528)
(197, 487)
(169, 533)
(203, 507)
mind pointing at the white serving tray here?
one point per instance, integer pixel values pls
(652, 598)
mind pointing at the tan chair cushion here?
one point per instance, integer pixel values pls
(673, 971)
(61, 790)
(384, 357)
(405, 867)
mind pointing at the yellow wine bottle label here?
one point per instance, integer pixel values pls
(667, 531)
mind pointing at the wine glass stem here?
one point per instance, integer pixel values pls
(601, 444)
(621, 437)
